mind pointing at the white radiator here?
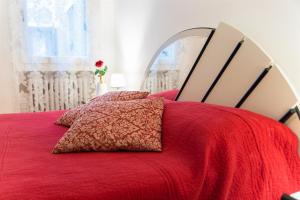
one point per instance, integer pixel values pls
(158, 81)
(44, 91)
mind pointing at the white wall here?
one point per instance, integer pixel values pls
(103, 32)
(143, 25)
(7, 81)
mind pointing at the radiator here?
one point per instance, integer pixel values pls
(45, 91)
(158, 81)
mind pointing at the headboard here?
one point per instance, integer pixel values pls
(232, 70)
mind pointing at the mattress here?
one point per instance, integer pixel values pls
(209, 152)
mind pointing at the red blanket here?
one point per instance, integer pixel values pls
(210, 152)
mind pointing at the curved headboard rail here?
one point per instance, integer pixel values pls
(199, 31)
(234, 71)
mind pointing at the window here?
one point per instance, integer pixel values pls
(167, 58)
(55, 28)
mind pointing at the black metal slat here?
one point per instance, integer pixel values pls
(253, 87)
(297, 111)
(236, 49)
(196, 63)
(289, 114)
(287, 197)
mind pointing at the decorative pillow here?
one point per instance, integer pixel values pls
(121, 125)
(121, 96)
(168, 94)
(71, 115)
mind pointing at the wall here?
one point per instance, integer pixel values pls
(142, 26)
(102, 32)
(7, 81)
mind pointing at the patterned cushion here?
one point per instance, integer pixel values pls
(168, 94)
(121, 96)
(121, 125)
(71, 115)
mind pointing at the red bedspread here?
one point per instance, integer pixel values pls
(210, 152)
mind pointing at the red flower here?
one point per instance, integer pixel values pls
(99, 63)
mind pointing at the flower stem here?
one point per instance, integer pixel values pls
(101, 78)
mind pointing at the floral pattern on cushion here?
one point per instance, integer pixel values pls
(71, 115)
(111, 126)
(121, 96)
(168, 94)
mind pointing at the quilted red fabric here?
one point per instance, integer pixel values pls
(209, 152)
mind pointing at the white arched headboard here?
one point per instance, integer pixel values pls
(232, 70)
(155, 83)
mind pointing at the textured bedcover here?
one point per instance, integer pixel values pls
(210, 152)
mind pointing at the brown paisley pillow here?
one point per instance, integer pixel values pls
(121, 125)
(71, 115)
(121, 96)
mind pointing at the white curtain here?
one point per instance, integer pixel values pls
(51, 36)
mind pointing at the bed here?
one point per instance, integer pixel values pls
(210, 151)
(190, 166)
(230, 69)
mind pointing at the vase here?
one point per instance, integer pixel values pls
(101, 88)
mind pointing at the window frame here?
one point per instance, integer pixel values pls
(54, 60)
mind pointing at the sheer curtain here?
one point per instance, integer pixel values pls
(50, 34)
(51, 53)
